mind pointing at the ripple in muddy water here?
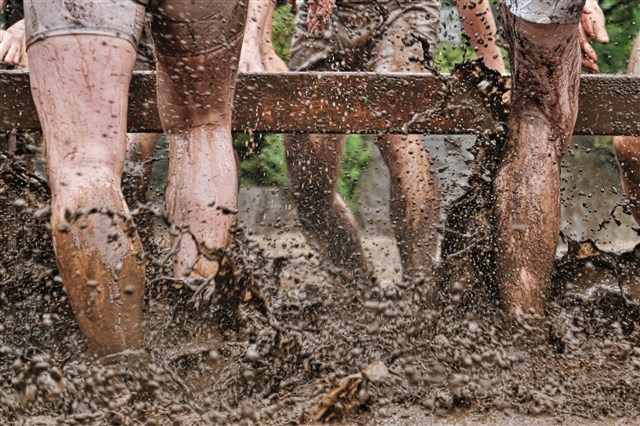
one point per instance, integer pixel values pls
(312, 346)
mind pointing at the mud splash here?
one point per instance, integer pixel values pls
(308, 343)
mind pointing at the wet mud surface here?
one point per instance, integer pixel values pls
(311, 344)
(304, 343)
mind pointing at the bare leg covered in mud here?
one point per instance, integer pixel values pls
(545, 63)
(414, 201)
(379, 45)
(628, 148)
(99, 257)
(314, 161)
(195, 93)
(314, 166)
(80, 76)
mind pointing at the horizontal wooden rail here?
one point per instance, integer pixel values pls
(352, 103)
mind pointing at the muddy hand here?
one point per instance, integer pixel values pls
(319, 13)
(592, 24)
(11, 44)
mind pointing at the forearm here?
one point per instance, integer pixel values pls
(479, 24)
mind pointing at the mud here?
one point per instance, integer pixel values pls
(302, 334)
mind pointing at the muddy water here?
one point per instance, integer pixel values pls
(306, 330)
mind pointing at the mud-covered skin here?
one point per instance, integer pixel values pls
(545, 62)
(258, 54)
(99, 259)
(627, 148)
(203, 179)
(80, 81)
(468, 250)
(314, 166)
(272, 361)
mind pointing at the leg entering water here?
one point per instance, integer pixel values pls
(194, 98)
(545, 61)
(414, 201)
(314, 167)
(99, 256)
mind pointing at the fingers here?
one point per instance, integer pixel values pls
(587, 26)
(590, 66)
(589, 55)
(600, 30)
(5, 43)
(587, 50)
(313, 18)
(594, 23)
(319, 12)
(10, 49)
(13, 55)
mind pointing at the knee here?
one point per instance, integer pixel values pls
(195, 91)
(627, 148)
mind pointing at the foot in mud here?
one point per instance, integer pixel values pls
(314, 166)
(545, 62)
(223, 288)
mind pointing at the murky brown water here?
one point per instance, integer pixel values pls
(304, 332)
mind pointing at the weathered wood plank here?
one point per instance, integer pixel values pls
(352, 102)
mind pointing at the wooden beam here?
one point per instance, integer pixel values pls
(353, 103)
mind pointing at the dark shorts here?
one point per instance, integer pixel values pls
(374, 35)
(179, 27)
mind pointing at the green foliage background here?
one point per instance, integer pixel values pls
(623, 25)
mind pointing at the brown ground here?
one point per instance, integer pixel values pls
(271, 363)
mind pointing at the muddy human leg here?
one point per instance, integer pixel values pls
(545, 63)
(270, 58)
(79, 85)
(414, 200)
(627, 148)
(196, 79)
(314, 167)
